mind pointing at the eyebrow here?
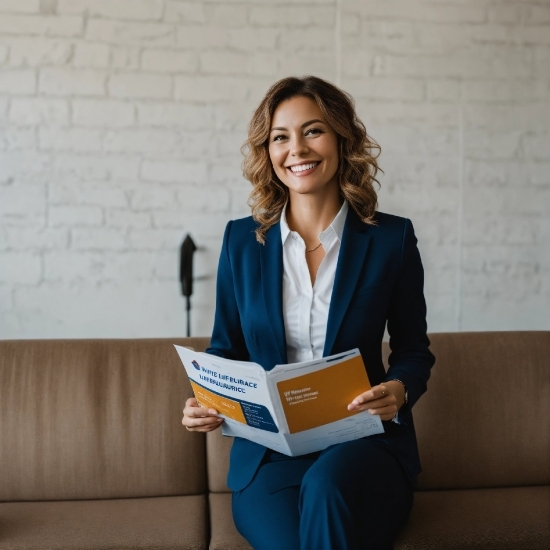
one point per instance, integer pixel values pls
(302, 126)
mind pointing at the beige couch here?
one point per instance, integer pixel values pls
(93, 454)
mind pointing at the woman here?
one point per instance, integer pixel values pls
(315, 271)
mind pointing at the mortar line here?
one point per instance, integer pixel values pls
(338, 42)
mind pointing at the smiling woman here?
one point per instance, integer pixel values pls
(331, 111)
(315, 271)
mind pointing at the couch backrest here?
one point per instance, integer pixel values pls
(96, 419)
(485, 419)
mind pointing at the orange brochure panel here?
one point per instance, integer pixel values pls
(322, 397)
(227, 407)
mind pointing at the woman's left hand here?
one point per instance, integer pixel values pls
(385, 400)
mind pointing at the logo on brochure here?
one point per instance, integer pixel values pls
(196, 365)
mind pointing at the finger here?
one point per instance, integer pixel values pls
(202, 422)
(198, 411)
(384, 411)
(376, 392)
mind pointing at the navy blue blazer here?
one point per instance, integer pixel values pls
(379, 278)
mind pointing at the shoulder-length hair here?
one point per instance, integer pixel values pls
(357, 165)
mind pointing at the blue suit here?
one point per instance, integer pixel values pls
(379, 277)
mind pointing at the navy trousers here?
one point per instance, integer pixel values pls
(354, 495)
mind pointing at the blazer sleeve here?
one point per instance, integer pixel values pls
(227, 335)
(410, 359)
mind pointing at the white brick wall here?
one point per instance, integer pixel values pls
(121, 123)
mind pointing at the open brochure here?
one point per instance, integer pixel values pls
(294, 409)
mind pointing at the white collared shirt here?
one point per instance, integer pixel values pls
(305, 307)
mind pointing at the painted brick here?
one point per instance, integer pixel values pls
(102, 113)
(16, 139)
(154, 198)
(74, 216)
(537, 15)
(267, 16)
(263, 39)
(28, 166)
(36, 238)
(173, 171)
(505, 13)
(154, 239)
(537, 146)
(387, 89)
(69, 139)
(223, 63)
(21, 268)
(4, 51)
(443, 90)
(186, 116)
(202, 38)
(125, 218)
(3, 109)
(201, 198)
(145, 10)
(97, 167)
(168, 61)
(119, 32)
(225, 16)
(22, 81)
(131, 85)
(100, 238)
(91, 55)
(415, 11)
(38, 51)
(146, 140)
(511, 91)
(20, 6)
(23, 204)
(125, 57)
(207, 89)
(300, 16)
(103, 194)
(49, 25)
(66, 82)
(184, 12)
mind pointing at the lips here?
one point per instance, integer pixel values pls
(303, 168)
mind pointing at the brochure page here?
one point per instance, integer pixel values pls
(294, 409)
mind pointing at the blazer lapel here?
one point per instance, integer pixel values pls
(352, 256)
(271, 261)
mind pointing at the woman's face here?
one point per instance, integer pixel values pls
(303, 148)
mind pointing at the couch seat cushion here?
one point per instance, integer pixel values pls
(514, 518)
(179, 522)
(223, 533)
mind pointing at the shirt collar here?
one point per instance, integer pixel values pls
(337, 224)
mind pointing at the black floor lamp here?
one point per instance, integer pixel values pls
(187, 250)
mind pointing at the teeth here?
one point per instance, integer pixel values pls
(303, 167)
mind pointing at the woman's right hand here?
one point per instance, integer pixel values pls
(199, 419)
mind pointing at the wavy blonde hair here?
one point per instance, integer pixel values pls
(357, 165)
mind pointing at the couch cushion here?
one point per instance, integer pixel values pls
(485, 419)
(223, 533)
(88, 419)
(512, 518)
(151, 523)
(218, 448)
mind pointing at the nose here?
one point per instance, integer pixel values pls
(298, 146)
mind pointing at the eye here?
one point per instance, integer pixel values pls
(314, 131)
(279, 137)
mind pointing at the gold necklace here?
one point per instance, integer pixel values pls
(314, 249)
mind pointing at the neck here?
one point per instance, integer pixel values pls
(310, 214)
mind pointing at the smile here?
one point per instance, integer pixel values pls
(298, 168)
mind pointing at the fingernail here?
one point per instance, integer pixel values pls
(212, 411)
